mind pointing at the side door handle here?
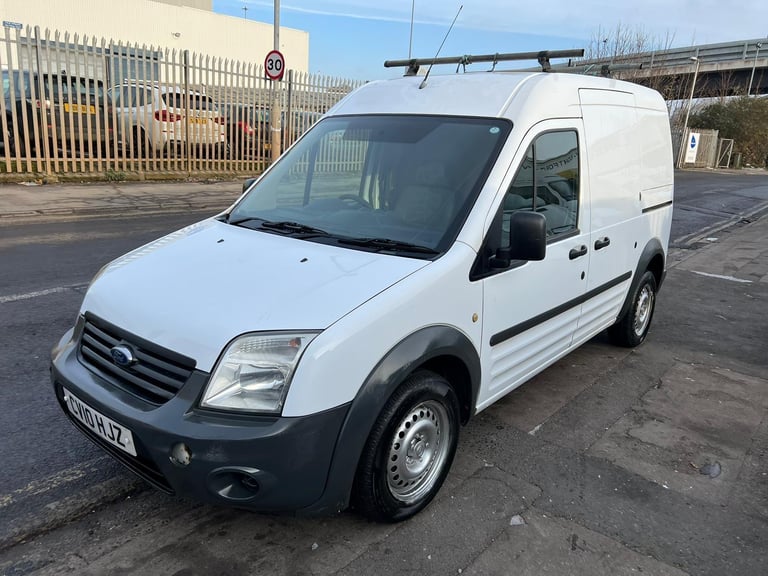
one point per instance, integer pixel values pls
(602, 242)
(577, 252)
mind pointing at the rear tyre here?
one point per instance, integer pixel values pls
(140, 137)
(632, 328)
(409, 450)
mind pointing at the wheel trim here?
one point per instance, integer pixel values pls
(418, 451)
(643, 311)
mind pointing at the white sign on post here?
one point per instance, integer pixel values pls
(692, 148)
(274, 65)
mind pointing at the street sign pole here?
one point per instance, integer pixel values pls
(275, 120)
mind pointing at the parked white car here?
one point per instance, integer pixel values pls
(321, 342)
(157, 118)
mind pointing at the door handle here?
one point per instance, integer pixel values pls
(577, 252)
(602, 242)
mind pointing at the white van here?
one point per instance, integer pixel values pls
(394, 273)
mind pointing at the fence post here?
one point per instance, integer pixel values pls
(44, 108)
(185, 125)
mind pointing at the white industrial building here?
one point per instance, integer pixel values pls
(174, 25)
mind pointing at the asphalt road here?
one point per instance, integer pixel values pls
(46, 268)
(51, 474)
(707, 200)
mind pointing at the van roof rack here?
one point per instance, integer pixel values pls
(542, 56)
(604, 70)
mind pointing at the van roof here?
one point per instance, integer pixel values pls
(486, 94)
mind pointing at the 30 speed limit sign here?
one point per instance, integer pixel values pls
(274, 65)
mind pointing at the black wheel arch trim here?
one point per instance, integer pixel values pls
(402, 360)
(652, 249)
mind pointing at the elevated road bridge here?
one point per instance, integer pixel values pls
(726, 69)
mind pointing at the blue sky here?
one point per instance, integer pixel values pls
(352, 38)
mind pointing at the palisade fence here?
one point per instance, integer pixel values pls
(81, 105)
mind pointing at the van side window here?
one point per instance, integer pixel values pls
(547, 182)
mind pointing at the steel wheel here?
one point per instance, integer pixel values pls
(409, 450)
(631, 329)
(643, 310)
(418, 451)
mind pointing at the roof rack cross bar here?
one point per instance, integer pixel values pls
(543, 57)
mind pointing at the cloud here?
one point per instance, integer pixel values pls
(688, 21)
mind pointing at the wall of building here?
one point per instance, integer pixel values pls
(201, 4)
(161, 24)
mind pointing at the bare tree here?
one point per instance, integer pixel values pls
(624, 45)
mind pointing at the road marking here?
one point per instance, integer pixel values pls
(37, 487)
(694, 237)
(721, 277)
(38, 293)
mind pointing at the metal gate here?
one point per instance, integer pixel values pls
(724, 152)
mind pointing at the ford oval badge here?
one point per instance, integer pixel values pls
(122, 356)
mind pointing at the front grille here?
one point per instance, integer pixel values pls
(157, 373)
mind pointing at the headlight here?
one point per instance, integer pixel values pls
(255, 371)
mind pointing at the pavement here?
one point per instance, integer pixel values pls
(33, 201)
(610, 462)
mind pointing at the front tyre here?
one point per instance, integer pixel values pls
(632, 328)
(409, 450)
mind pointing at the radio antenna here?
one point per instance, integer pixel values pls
(424, 82)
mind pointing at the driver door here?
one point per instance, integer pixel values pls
(531, 309)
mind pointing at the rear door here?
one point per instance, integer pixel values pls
(531, 309)
(611, 131)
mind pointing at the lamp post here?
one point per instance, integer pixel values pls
(754, 64)
(684, 140)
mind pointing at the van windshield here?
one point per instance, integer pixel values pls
(392, 180)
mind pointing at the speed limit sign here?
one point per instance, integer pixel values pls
(274, 65)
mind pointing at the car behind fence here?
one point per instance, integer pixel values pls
(81, 105)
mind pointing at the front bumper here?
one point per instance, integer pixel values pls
(263, 463)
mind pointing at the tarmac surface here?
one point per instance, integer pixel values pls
(24, 202)
(610, 462)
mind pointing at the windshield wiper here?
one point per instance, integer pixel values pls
(293, 228)
(242, 220)
(388, 244)
(285, 227)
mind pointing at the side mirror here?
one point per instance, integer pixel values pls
(527, 238)
(248, 183)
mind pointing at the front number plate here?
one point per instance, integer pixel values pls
(102, 426)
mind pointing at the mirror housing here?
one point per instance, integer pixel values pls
(527, 238)
(247, 184)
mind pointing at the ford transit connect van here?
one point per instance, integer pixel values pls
(395, 272)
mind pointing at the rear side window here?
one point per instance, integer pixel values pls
(26, 77)
(196, 101)
(128, 96)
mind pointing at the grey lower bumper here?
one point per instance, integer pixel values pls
(257, 462)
